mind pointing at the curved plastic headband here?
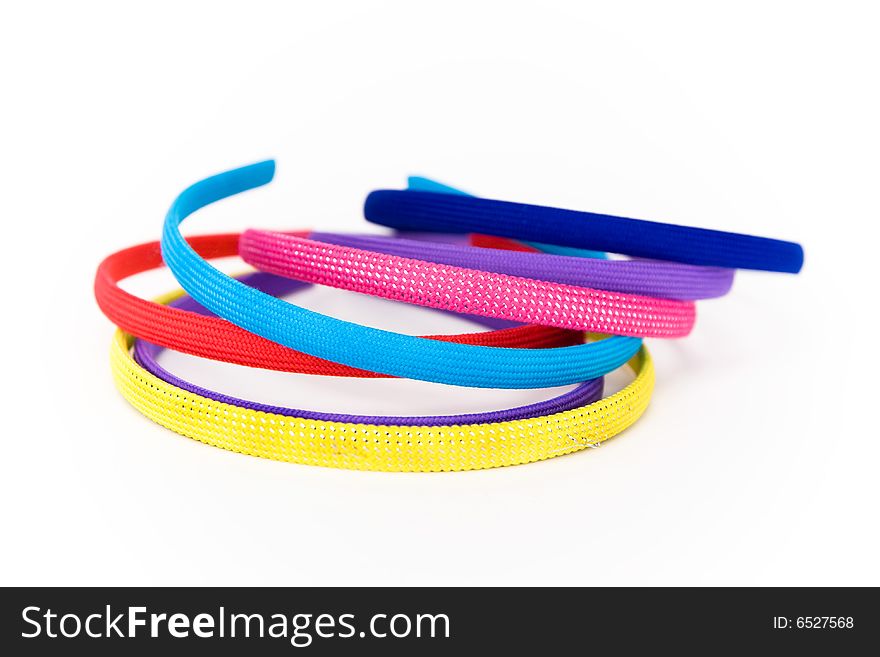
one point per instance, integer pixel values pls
(453, 213)
(387, 447)
(360, 346)
(145, 353)
(194, 333)
(667, 280)
(464, 290)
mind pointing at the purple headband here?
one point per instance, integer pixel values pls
(646, 277)
(145, 353)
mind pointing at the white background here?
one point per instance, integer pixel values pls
(755, 464)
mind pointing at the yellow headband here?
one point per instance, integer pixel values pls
(378, 447)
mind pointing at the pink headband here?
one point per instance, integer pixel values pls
(463, 290)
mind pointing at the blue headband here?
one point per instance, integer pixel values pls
(361, 346)
(433, 211)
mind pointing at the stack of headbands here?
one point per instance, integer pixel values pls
(556, 311)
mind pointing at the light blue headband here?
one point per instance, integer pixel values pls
(360, 346)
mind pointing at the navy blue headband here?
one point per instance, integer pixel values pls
(451, 213)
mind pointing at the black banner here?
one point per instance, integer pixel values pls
(277, 621)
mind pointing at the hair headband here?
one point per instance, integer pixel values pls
(360, 346)
(145, 354)
(464, 290)
(378, 446)
(654, 279)
(447, 212)
(211, 337)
